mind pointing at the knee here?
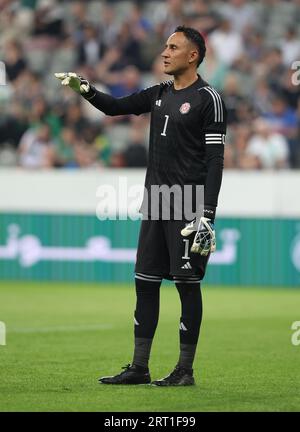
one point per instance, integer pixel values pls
(188, 289)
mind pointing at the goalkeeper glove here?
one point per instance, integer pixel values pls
(74, 81)
(205, 238)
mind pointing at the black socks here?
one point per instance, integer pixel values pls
(147, 313)
(145, 316)
(190, 320)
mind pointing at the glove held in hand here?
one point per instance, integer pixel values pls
(205, 238)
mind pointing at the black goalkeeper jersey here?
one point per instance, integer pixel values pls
(187, 133)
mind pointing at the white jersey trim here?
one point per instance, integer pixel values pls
(218, 106)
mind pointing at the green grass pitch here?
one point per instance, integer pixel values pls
(62, 337)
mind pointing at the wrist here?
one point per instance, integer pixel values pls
(90, 94)
(210, 213)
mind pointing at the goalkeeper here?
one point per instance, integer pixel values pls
(187, 135)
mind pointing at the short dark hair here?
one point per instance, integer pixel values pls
(195, 37)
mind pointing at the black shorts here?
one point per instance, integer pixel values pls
(163, 251)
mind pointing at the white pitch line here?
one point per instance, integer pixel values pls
(55, 329)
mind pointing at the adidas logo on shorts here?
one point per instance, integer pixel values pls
(187, 266)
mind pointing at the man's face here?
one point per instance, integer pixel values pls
(178, 54)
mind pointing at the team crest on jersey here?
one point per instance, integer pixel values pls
(185, 107)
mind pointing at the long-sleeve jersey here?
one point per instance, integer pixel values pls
(187, 134)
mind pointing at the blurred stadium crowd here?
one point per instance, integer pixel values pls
(251, 46)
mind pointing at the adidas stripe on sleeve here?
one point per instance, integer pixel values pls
(213, 119)
(213, 116)
(214, 138)
(218, 106)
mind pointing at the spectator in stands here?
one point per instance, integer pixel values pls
(126, 82)
(170, 16)
(232, 97)
(13, 125)
(270, 148)
(283, 120)
(121, 84)
(213, 69)
(65, 148)
(14, 60)
(130, 47)
(77, 20)
(90, 48)
(290, 46)
(240, 13)
(239, 143)
(135, 154)
(140, 26)
(109, 26)
(243, 68)
(41, 113)
(126, 52)
(28, 87)
(74, 118)
(254, 45)
(151, 50)
(49, 20)
(9, 31)
(261, 97)
(117, 160)
(36, 149)
(273, 67)
(202, 17)
(226, 42)
(94, 135)
(89, 149)
(24, 17)
(86, 156)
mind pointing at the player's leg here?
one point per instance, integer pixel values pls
(145, 316)
(152, 263)
(187, 271)
(145, 322)
(190, 321)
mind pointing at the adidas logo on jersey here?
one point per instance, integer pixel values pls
(166, 83)
(187, 266)
(158, 102)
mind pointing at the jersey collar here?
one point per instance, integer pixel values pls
(197, 84)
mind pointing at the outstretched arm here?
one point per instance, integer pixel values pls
(136, 103)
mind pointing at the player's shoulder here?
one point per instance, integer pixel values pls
(160, 85)
(211, 103)
(209, 94)
(164, 86)
(158, 88)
